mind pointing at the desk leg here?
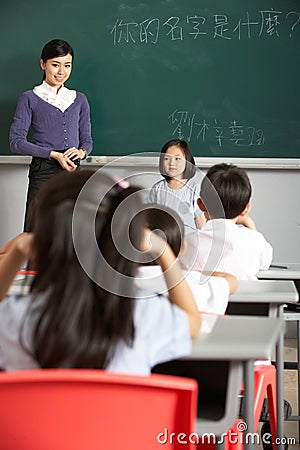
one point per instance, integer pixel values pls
(279, 379)
(249, 403)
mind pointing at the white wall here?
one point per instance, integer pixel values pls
(275, 201)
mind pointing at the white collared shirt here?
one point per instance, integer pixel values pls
(221, 245)
(61, 99)
(210, 293)
(162, 333)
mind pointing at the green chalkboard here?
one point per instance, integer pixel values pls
(223, 75)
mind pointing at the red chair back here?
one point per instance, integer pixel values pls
(67, 409)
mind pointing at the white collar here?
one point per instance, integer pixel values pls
(61, 99)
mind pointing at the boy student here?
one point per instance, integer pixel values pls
(229, 241)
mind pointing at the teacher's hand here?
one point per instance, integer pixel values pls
(75, 153)
(65, 162)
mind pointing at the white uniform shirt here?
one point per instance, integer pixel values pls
(223, 246)
(210, 293)
(183, 200)
(161, 333)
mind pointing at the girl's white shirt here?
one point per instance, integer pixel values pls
(161, 333)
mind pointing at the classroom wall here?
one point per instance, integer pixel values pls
(275, 201)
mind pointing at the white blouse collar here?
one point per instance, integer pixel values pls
(61, 99)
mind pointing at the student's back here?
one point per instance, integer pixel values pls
(229, 241)
(82, 310)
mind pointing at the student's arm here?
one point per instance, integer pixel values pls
(179, 291)
(8, 245)
(10, 262)
(231, 280)
(247, 222)
(201, 220)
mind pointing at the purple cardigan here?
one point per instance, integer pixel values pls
(51, 128)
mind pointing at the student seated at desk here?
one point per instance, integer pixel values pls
(229, 241)
(84, 310)
(210, 292)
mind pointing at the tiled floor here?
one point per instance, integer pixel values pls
(290, 392)
(291, 429)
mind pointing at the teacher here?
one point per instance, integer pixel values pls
(58, 119)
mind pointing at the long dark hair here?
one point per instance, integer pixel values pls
(81, 314)
(56, 48)
(190, 166)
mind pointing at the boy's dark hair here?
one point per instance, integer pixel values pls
(231, 184)
(190, 167)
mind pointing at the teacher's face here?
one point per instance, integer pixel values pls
(57, 70)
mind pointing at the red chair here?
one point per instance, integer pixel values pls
(65, 409)
(264, 386)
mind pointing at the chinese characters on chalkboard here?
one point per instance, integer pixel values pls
(187, 126)
(268, 23)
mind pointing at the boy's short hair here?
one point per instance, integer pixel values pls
(190, 168)
(231, 184)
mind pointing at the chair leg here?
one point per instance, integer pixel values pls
(264, 386)
(265, 377)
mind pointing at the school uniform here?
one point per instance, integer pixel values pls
(162, 333)
(183, 200)
(210, 293)
(221, 245)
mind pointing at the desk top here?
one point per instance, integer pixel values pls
(265, 291)
(292, 272)
(237, 338)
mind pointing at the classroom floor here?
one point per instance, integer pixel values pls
(290, 392)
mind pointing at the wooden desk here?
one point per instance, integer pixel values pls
(267, 298)
(240, 338)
